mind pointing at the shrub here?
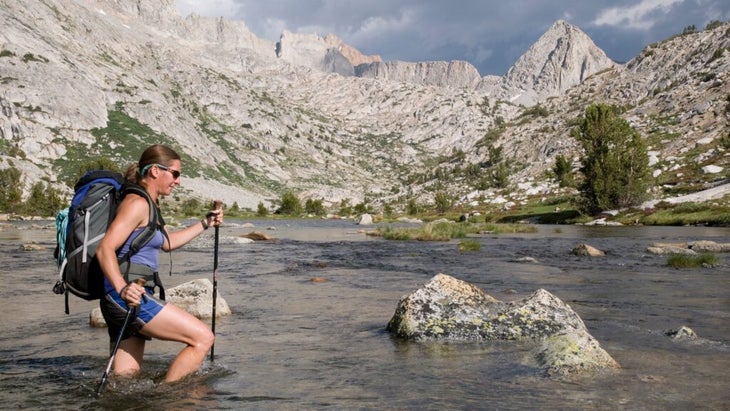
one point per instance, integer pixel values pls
(443, 202)
(563, 170)
(44, 200)
(363, 208)
(689, 29)
(345, 207)
(388, 210)
(290, 204)
(262, 211)
(725, 140)
(500, 175)
(314, 207)
(713, 25)
(413, 208)
(716, 55)
(10, 190)
(535, 111)
(191, 207)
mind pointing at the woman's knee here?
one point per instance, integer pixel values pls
(206, 339)
(127, 371)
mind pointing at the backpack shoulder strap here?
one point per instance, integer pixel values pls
(155, 220)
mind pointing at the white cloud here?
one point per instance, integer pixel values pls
(642, 16)
(379, 25)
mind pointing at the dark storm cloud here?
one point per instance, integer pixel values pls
(489, 34)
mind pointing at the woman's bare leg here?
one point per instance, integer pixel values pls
(128, 359)
(175, 324)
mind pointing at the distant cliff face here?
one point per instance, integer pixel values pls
(459, 74)
(328, 54)
(104, 78)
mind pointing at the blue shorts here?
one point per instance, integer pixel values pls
(114, 310)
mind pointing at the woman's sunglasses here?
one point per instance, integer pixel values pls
(175, 173)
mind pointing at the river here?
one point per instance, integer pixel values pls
(293, 343)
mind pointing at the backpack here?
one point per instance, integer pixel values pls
(80, 228)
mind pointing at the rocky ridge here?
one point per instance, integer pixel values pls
(89, 78)
(563, 57)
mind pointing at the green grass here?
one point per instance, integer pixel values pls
(684, 214)
(447, 230)
(441, 231)
(470, 245)
(692, 261)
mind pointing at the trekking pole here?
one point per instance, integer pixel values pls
(130, 309)
(217, 205)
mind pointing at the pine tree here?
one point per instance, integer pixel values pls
(11, 190)
(615, 164)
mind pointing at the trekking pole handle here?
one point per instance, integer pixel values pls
(140, 282)
(217, 205)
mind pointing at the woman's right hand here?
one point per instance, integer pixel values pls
(132, 293)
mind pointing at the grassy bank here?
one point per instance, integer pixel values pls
(446, 230)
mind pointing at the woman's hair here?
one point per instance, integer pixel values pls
(155, 154)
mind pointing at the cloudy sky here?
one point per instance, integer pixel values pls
(490, 34)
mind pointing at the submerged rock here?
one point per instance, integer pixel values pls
(586, 250)
(447, 309)
(681, 333)
(32, 247)
(257, 236)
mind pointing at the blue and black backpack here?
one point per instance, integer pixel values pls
(80, 228)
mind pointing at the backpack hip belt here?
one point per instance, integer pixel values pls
(133, 271)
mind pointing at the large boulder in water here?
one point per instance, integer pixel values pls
(450, 310)
(196, 297)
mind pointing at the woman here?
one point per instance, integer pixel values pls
(158, 172)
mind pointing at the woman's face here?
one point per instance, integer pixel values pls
(169, 177)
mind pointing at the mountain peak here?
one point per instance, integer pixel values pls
(560, 59)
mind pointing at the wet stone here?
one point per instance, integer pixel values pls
(450, 310)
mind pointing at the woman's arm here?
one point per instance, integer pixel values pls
(179, 238)
(131, 213)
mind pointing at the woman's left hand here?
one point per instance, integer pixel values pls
(214, 217)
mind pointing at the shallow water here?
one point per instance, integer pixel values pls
(292, 343)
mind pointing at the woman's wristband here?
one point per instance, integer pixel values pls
(204, 224)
